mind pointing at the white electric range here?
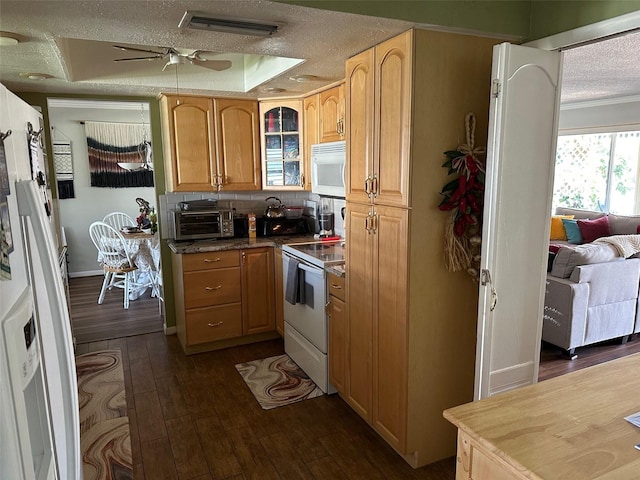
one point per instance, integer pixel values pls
(305, 297)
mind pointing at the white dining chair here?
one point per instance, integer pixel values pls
(118, 220)
(119, 270)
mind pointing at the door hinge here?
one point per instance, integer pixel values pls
(496, 86)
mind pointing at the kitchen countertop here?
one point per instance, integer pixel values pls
(198, 246)
(337, 270)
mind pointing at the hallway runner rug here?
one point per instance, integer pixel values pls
(104, 425)
(277, 381)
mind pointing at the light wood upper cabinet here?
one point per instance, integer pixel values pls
(331, 114)
(360, 126)
(282, 141)
(210, 144)
(189, 143)
(238, 144)
(258, 292)
(379, 111)
(311, 133)
(393, 77)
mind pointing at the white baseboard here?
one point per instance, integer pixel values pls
(169, 330)
(90, 273)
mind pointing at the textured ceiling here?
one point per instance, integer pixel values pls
(53, 29)
(605, 69)
(71, 41)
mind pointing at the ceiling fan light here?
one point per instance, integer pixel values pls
(131, 166)
(7, 39)
(36, 76)
(199, 21)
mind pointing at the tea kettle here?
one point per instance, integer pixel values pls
(273, 210)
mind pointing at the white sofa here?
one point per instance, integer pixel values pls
(591, 291)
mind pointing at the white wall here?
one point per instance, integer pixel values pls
(621, 115)
(91, 203)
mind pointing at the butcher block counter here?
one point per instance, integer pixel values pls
(569, 427)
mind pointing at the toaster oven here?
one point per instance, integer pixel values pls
(202, 224)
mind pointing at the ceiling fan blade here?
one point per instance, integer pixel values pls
(137, 58)
(217, 65)
(132, 49)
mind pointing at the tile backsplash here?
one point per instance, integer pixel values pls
(247, 202)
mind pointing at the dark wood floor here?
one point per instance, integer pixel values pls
(92, 322)
(192, 417)
(553, 363)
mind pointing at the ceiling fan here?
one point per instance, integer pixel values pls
(176, 56)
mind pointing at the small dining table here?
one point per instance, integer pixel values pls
(144, 249)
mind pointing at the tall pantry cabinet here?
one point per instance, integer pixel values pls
(411, 324)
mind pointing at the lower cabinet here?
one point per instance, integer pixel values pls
(258, 293)
(337, 315)
(224, 297)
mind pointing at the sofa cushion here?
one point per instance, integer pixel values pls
(569, 257)
(579, 214)
(557, 228)
(593, 229)
(624, 224)
(573, 231)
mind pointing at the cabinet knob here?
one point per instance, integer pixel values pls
(209, 289)
(209, 260)
(337, 287)
(215, 324)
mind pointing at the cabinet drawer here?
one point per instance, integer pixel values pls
(335, 284)
(208, 260)
(213, 323)
(212, 287)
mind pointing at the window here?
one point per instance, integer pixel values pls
(598, 171)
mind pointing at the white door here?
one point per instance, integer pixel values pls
(519, 186)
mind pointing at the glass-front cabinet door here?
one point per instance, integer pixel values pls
(282, 145)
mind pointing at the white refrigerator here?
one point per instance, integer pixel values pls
(39, 415)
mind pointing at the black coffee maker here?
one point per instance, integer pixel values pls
(326, 223)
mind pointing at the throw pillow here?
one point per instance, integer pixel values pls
(573, 231)
(593, 229)
(552, 256)
(557, 228)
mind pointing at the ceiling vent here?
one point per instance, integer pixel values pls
(241, 26)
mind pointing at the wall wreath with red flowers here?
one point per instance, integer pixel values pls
(464, 198)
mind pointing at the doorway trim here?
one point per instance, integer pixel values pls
(589, 33)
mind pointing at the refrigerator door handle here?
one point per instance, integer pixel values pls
(30, 206)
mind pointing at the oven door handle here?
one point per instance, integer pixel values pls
(312, 270)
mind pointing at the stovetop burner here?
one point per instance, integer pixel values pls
(318, 253)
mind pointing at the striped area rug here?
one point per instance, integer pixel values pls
(277, 381)
(104, 424)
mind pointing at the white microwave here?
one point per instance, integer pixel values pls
(327, 168)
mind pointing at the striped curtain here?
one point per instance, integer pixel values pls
(112, 143)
